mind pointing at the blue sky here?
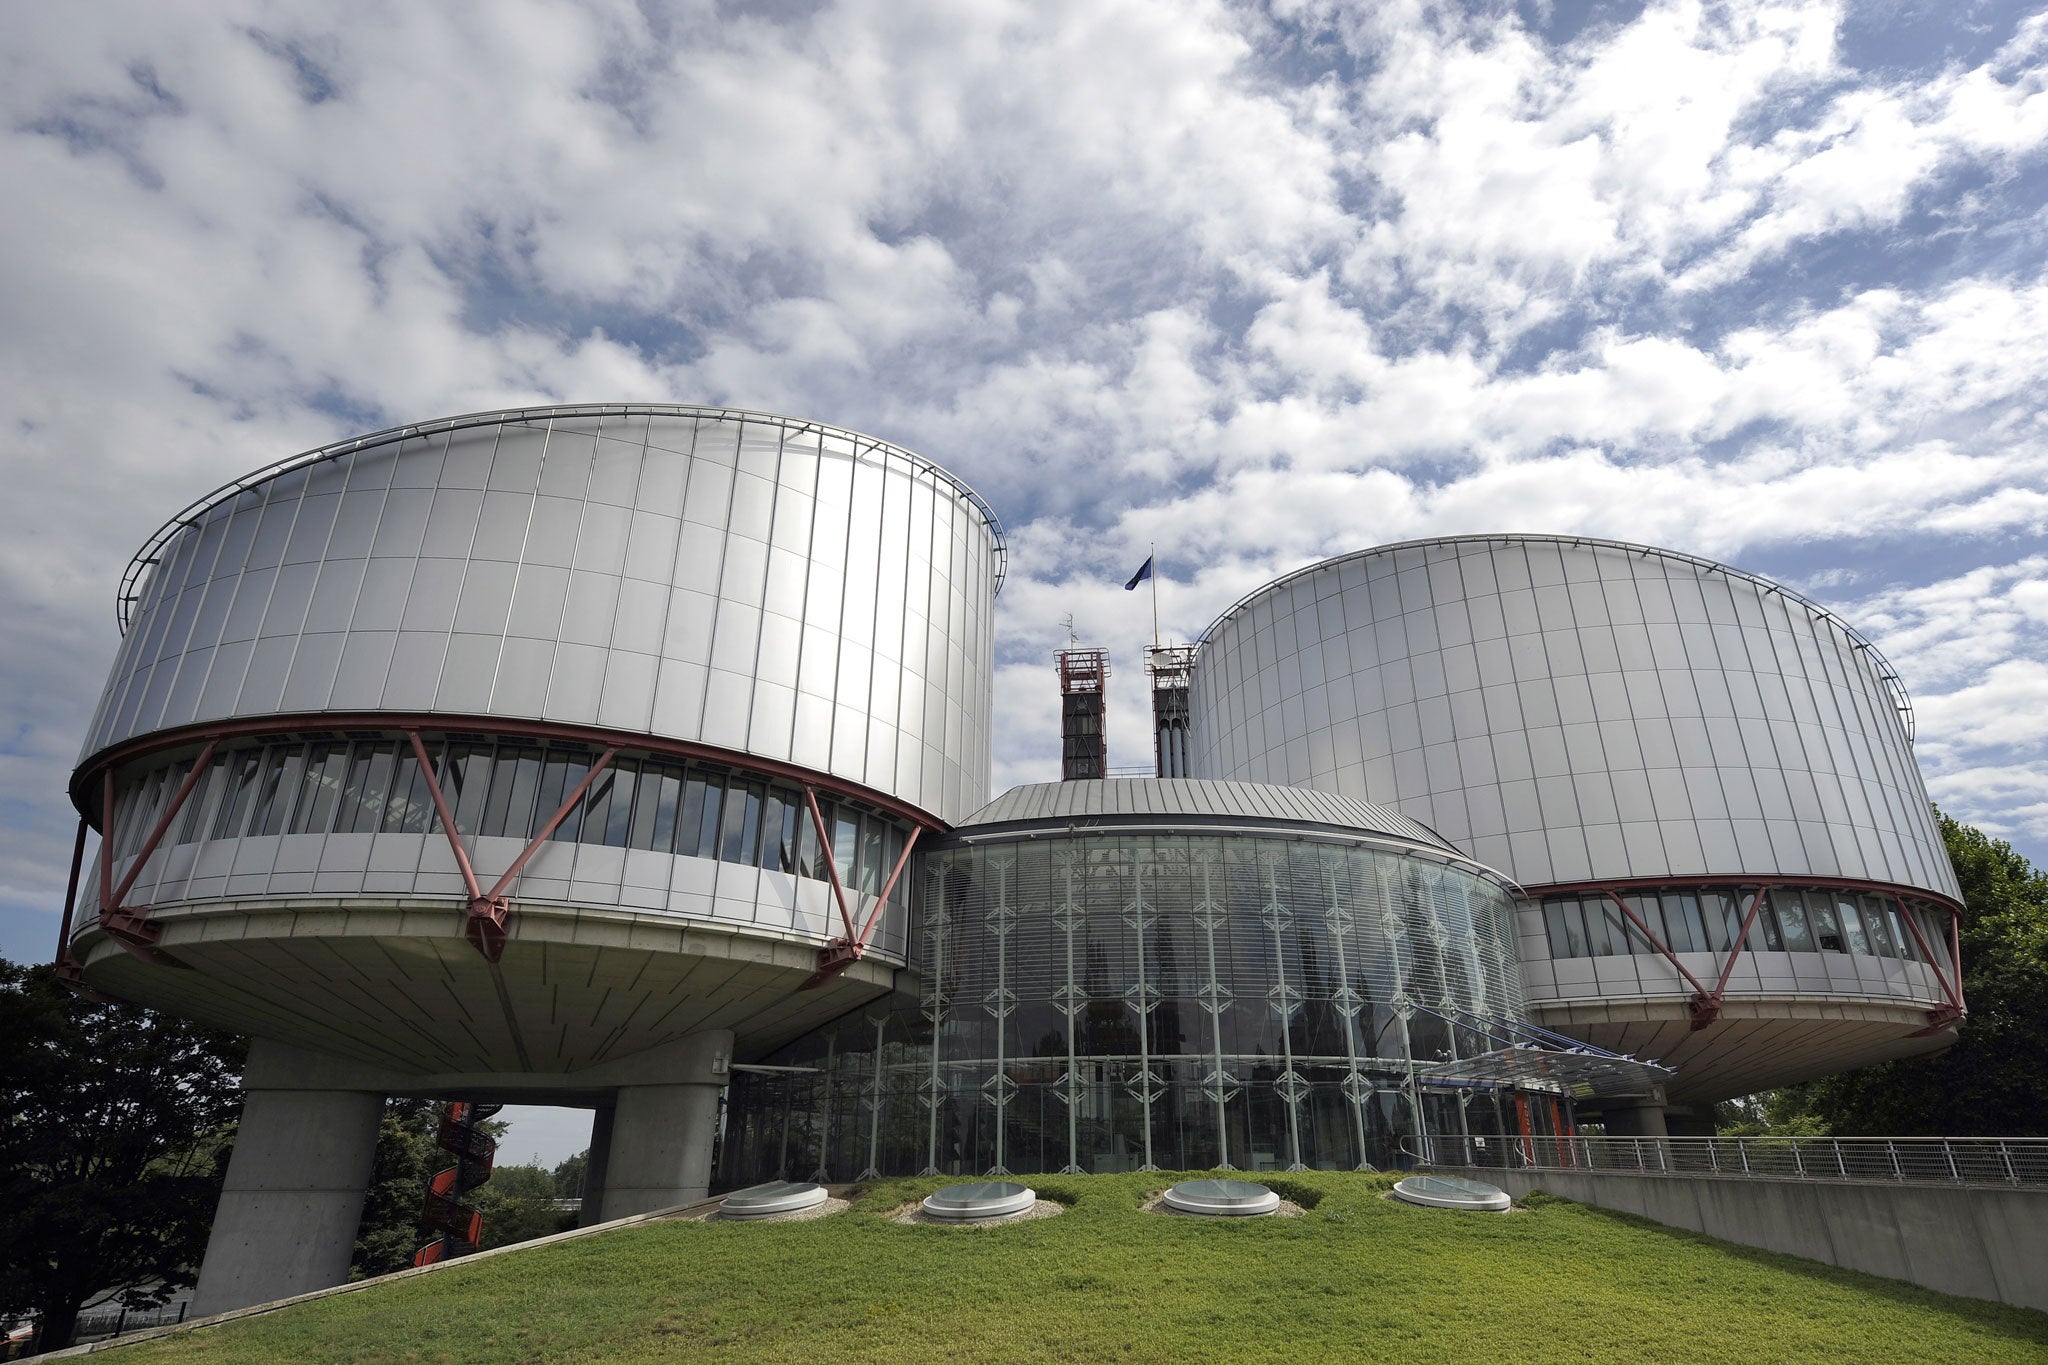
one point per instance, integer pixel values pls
(1259, 283)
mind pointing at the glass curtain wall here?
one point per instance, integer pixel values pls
(510, 789)
(1791, 919)
(1117, 1002)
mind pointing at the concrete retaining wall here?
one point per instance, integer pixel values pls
(1981, 1242)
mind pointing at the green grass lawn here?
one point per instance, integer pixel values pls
(1358, 1278)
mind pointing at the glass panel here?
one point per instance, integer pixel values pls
(1596, 928)
(1877, 927)
(1827, 933)
(515, 780)
(204, 801)
(281, 778)
(243, 769)
(845, 826)
(624, 785)
(1696, 923)
(1723, 919)
(597, 805)
(810, 859)
(1681, 912)
(145, 811)
(326, 772)
(646, 805)
(871, 854)
(778, 831)
(1901, 935)
(691, 816)
(560, 773)
(369, 783)
(1766, 931)
(1563, 942)
(465, 782)
(662, 838)
(1852, 925)
(409, 810)
(899, 894)
(742, 824)
(1791, 915)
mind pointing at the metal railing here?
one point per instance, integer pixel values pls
(1925, 1161)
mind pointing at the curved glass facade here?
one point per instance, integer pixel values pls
(330, 814)
(1107, 1000)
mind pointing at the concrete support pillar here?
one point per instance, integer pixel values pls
(662, 1124)
(660, 1148)
(1644, 1120)
(595, 1167)
(286, 1223)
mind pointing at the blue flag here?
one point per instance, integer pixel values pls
(1140, 576)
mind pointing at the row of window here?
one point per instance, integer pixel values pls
(511, 789)
(1791, 920)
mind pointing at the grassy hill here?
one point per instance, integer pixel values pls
(1357, 1278)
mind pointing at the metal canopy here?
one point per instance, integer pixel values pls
(1582, 1075)
(1534, 1057)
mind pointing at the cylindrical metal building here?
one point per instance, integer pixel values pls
(686, 682)
(1659, 748)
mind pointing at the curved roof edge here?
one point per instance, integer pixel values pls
(138, 565)
(1110, 802)
(1887, 675)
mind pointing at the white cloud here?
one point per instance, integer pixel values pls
(1256, 285)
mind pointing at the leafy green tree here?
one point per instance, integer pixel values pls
(391, 1230)
(518, 1205)
(1994, 1081)
(570, 1173)
(114, 1136)
(517, 1202)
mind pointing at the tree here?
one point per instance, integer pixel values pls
(113, 1142)
(390, 1230)
(1994, 1081)
(518, 1204)
(570, 1174)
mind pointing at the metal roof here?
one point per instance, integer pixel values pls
(1141, 800)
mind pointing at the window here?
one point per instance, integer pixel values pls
(1827, 931)
(1791, 916)
(1852, 925)
(509, 791)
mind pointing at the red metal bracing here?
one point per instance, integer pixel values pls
(461, 1225)
(67, 970)
(1942, 1016)
(1705, 1005)
(486, 914)
(841, 953)
(485, 922)
(131, 926)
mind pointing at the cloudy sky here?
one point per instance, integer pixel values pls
(1766, 282)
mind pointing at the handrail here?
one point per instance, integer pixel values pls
(1986, 1161)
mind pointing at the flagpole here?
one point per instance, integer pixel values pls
(1154, 562)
